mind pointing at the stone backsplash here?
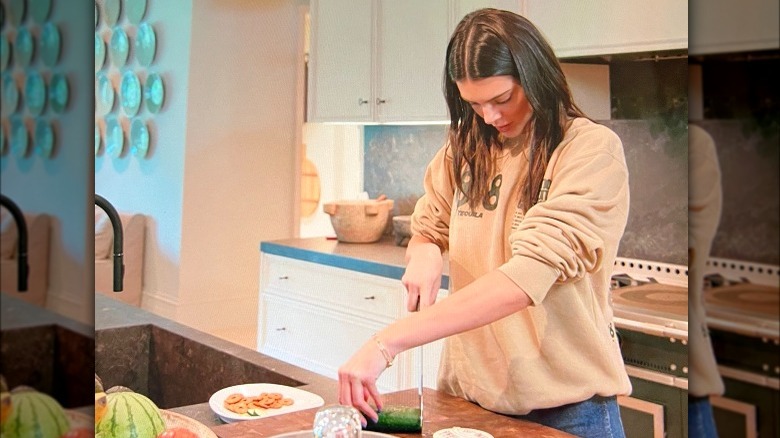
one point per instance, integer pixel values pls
(657, 229)
(749, 158)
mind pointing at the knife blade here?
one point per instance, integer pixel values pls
(421, 354)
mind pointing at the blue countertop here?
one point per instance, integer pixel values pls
(382, 258)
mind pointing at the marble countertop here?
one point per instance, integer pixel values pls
(383, 258)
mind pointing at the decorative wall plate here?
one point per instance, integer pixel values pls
(100, 52)
(111, 10)
(44, 138)
(10, 95)
(34, 93)
(19, 139)
(5, 52)
(104, 94)
(24, 47)
(40, 9)
(97, 15)
(115, 137)
(154, 93)
(16, 10)
(145, 44)
(130, 93)
(58, 92)
(139, 138)
(50, 44)
(119, 47)
(135, 10)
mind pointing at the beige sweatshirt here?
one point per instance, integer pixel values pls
(704, 208)
(562, 349)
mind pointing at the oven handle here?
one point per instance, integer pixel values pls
(652, 376)
(652, 329)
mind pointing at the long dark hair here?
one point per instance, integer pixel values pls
(491, 42)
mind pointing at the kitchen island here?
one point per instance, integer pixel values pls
(179, 367)
(215, 363)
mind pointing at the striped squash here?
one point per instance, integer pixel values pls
(130, 414)
(34, 414)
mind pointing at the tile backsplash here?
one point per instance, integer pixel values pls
(396, 157)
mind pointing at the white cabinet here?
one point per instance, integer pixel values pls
(377, 61)
(340, 62)
(726, 26)
(604, 27)
(382, 61)
(463, 7)
(316, 316)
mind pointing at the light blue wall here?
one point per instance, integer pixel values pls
(153, 185)
(60, 185)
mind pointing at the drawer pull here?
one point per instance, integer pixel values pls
(370, 297)
(284, 277)
(281, 329)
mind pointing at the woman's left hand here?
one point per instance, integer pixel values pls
(357, 380)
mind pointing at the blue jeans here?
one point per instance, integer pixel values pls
(701, 423)
(596, 417)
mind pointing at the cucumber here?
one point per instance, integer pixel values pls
(395, 418)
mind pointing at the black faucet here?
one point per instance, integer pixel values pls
(21, 227)
(116, 224)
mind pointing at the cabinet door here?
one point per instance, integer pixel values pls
(602, 27)
(411, 44)
(318, 339)
(734, 418)
(340, 74)
(725, 26)
(641, 418)
(463, 7)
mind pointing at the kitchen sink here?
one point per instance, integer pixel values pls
(171, 369)
(50, 358)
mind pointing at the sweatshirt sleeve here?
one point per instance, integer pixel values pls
(431, 217)
(565, 237)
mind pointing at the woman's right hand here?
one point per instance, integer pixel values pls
(422, 277)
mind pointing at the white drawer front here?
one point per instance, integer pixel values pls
(339, 289)
(317, 339)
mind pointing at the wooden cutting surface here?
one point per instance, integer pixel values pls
(441, 411)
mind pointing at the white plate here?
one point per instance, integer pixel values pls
(309, 433)
(301, 400)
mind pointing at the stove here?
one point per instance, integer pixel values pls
(743, 306)
(742, 300)
(650, 302)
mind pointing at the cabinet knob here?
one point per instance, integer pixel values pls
(362, 101)
(283, 277)
(281, 329)
(380, 101)
(370, 297)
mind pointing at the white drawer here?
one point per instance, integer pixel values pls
(339, 289)
(319, 340)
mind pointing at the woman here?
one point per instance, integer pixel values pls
(530, 198)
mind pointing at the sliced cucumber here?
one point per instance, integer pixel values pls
(397, 419)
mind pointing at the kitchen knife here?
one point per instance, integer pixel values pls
(421, 354)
